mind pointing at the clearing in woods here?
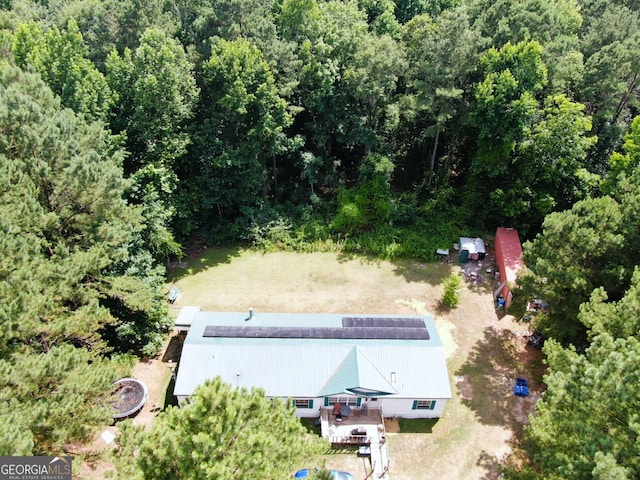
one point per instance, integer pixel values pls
(486, 351)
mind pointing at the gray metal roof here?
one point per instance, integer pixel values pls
(310, 367)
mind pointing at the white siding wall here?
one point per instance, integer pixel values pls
(391, 407)
(403, 407)
(311, 412)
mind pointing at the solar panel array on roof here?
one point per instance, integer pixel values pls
(361, 322)
(344, 333)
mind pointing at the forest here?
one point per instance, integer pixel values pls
(133, 131)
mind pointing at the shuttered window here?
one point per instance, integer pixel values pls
(424, 405)
(303, 403)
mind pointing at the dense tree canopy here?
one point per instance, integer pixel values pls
(130, 128)
(578, 263)
(60, 59)
(69, 269)
(243, 133)
(454, 93)
(571, 440)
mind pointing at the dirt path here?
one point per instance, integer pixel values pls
(156, 375)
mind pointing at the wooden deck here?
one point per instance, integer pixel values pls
(372, 417)
(342, 440)
(371, 433)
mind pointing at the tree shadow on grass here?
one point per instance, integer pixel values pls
(310, 426)
(170, 399)
(491, 464)
(486, 379)
(485, 383)
(204, 260)
(433, 273)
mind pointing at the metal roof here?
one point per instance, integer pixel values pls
(356, 373)
(312, 367)
(508, 252)
(185, 317)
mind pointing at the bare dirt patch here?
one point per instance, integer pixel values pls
(156, 375)
(391, 425)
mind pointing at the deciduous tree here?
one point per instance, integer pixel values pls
(243, 122)
(547, 171)
(157, 93)
(442, 56)
(60, 57)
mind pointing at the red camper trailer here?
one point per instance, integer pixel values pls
(509, 261)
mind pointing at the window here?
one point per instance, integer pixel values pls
(424, 404)
(351, 401)
(303, 403)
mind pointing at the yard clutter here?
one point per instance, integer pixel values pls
(173, 294)
(471, 249)
(521, 389)
(536, 340)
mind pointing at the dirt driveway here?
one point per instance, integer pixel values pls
(486, 351)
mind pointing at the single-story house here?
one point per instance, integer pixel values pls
(393, 363)
(509, 261)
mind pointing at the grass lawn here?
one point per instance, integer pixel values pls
(485, 351)
(416, 425)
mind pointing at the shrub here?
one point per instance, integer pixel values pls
(451, 296)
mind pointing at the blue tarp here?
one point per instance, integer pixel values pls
(521, 388)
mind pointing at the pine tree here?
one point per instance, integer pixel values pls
(223, 433)
(71, 260)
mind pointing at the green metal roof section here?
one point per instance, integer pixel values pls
(357, 373)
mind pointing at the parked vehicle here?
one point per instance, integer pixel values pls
(336, 474)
